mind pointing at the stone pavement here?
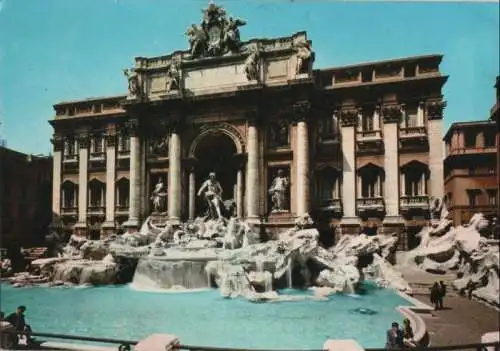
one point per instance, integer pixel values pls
(462, 321)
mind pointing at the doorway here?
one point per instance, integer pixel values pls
(215, 153)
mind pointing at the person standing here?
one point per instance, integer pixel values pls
(435, 295)
(442, 294)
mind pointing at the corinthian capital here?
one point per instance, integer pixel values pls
(435, 109)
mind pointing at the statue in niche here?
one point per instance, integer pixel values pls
(159, 196)
(231, 38)
(197, 40)
(278, 192)
(158, 146)
(252, 63)
(304, 56)
(279, 134)
(173, 76)
(133, 82)
(212, 191)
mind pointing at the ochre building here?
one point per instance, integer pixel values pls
(471, 170)
(360, 145)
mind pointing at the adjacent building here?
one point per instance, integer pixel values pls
(361, 145)
(495, 116)
(25, 204)
(470, 170)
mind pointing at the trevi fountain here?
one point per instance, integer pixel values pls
(215, 282)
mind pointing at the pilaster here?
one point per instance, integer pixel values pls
(174, 175)
(392, 115)
(252, 194)
(132, 224)
(109, 225)
(301, 112)
(58, 143)
(350, 222)
(81, 226)
(436, 148)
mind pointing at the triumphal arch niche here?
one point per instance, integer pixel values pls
(226, 112)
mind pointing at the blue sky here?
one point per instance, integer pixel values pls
(55, 50)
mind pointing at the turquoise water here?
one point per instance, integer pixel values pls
(205, 318)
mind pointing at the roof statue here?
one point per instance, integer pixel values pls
(218, 34)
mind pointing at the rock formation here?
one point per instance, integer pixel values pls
(224, 253)
(463, 250)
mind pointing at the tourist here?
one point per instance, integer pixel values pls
(435, 295)
(408, 334)
(17, 320)
(394, 337)
(442, 294)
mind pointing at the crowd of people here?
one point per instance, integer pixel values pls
(398, 338)
(18, 322)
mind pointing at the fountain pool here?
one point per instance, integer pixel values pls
(205, 318)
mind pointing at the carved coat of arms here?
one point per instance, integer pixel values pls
(218, 34)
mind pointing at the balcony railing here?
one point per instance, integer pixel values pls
(98, 156)
(370, 204)
(70, 158)
(69, 210)
(472, 150)
(412, 132)
(121, 209)
(123, 154)
(367, 135)
(334, 205)
(96, 210)
(414, 202)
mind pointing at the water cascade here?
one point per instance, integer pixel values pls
(153, 273)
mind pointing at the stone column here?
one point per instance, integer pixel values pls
(402, 182)
(192, 191)
(174, 176)
(359, 185)
(302, 159)
(109, 225)
(135, 182)
(436, 155)
(58, 144)
(392, 116)
(420, 114)
(252, 185)
(81, 226)
(239, 193)
(350, 221)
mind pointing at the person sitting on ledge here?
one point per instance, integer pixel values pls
(394, 337)
(408, 334)
(17, 320)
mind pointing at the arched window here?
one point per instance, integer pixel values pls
(370, 181)
(122, 194)
(69, 194)
(97, 193)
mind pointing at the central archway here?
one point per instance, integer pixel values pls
(215, 153)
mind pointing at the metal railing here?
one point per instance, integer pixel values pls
(124, 345)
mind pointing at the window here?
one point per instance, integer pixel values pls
(492, 196)
(367, 121)
(470, 139)
(472, 195)
(412, 117)
(69, 195)
(489, 139)
(123, 143)
(97, 144)
(96, 193)
(69, 147)
(492, 171)
(327, 184)
(415, 183)
(122, 193)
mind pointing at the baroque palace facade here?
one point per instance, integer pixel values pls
(360, 146)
